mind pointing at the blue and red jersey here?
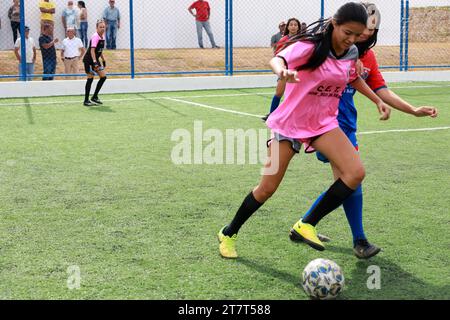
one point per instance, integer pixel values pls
(347, 111)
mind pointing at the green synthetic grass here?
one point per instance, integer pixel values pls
(96, 188)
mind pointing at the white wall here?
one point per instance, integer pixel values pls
(167, 24)
(18, 89)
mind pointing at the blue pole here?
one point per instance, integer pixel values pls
(23, 51)
(132, 66)
(322, 9)
(227, 22)
(231, 38)
(402, 14)
(406, 35)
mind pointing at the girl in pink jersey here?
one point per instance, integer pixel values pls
(317, 68)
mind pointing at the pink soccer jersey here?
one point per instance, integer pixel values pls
(310, 107)
(95, 40)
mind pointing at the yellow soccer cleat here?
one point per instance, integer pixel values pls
(307, 233)
(227, 245)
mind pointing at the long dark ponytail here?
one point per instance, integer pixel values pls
(320, 32)
(363, 47)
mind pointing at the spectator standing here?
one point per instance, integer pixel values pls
(276, 37)
(202, 15)
(30, 54)
(69, 17)
(47, 9)
(83, 23)
(111, 15)
(14, 17)
(71, 51)
(48, 51)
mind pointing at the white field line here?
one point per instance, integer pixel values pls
(214, 108)
(402, 130)
(178, 99)
(254, 115)
(63, 102)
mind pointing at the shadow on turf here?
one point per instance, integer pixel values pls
(102, 108)
(29, 111)
(396, 283)
(162, 105)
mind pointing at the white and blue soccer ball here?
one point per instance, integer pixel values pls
(323, 279)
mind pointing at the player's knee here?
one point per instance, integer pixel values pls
(358, 174)
(354, 176)
(265, 190)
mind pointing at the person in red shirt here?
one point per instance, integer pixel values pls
(202, 14)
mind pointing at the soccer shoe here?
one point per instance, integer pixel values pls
(364, 250)
(321, 237)
(96, 100)
(227, 245)
(88, 103)
(308, 234)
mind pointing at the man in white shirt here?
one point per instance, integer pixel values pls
(71, 51)
(30, 49)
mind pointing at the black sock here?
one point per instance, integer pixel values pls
(248, 207)
(87, 88)
(99, 86)
(332, 199)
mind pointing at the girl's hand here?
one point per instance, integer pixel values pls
(426, 111)
(289, 76)
(384, 110)
(359, 67)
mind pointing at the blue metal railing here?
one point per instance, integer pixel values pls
(322, 9)
(230, 38)
(227, 22)
(23, 53)
(405, 60)
(402, 32)
(132, 66)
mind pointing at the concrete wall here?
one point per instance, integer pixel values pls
(76, 87)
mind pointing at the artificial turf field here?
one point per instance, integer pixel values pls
(98, 189)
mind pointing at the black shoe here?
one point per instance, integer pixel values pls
(364, 250)
(201, 47)
(294, 237)
(96, 100)
(216, 47)
(88, 103)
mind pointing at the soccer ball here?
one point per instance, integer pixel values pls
(323, 279)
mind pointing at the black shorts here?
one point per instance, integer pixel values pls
(89, 68)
